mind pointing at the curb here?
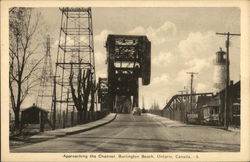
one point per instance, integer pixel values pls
(90, 128)
(63, 132)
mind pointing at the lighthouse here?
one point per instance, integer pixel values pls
(219, 71)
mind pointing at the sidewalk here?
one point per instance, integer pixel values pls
(172, 123)
(73, 130)
(234, 129)
(166, 121)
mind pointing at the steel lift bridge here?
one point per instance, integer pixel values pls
(128, 59)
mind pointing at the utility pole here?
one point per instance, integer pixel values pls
(143, 106)
(182, 91)
(228, 34)
(191, 89)
(185, 90)
(54, 103)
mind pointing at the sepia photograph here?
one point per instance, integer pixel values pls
(125, 82)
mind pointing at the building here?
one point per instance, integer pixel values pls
(34, 115)
(213, 106)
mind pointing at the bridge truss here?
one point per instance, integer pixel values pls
(179, 105)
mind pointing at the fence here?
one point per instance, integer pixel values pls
(63, 120)
(69, 119)
(178, 114)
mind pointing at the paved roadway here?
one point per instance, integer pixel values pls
(128, 133)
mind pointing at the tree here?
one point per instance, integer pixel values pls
(23, 29)
(81, 92)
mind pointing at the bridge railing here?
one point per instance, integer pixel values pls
(178, 107)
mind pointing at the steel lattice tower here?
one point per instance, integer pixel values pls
(75, 52)
(46, 81)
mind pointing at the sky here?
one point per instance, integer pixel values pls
(182, 40)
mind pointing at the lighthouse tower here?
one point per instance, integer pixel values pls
(219, 71)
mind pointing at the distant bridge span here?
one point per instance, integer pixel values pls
(179, 98)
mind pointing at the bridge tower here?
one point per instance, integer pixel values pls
(128, 59)
(75, 55)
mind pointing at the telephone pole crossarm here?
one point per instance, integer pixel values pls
(227, 34)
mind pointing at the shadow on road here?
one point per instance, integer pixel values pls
(159, 145)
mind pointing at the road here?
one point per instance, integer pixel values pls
(128, 133)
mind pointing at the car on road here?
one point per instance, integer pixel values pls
(144, 110)
(136, 111)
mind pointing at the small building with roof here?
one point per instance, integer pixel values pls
(34, 115)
